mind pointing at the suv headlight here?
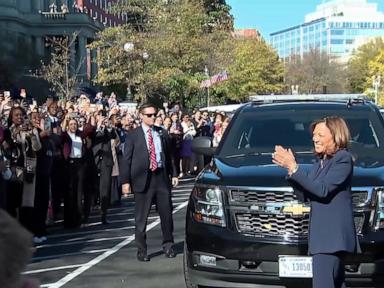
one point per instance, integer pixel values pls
(379, 219)
(208, 202)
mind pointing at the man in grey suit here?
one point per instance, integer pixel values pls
(149, 170)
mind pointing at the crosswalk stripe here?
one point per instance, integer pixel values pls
(80, 242)
(89, 232)
(51, 269)
(68, 254)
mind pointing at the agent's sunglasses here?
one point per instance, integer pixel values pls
(150, 115)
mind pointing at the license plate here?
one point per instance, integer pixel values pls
(295, 266)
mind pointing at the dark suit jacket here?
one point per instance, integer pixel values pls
(102, 148)
(332, 227)
(134, 167)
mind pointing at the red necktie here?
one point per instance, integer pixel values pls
(152, 152)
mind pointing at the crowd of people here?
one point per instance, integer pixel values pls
(61, 159)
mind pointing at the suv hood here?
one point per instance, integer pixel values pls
(263, 173)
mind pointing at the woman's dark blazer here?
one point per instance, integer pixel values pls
(328, 188)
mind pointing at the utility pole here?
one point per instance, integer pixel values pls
(376, 84)
(206, 71)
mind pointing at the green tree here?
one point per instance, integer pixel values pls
(178, 42)
(315, 72)
(376, 70)
(219, 14)
(359, 74)
(255, 69)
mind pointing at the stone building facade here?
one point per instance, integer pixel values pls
(27, 24)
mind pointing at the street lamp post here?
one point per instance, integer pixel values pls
(376, 84)
(144, 58)
(206, 71)
(295, 89)
(128, 47)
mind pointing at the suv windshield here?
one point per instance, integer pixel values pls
(257, 132)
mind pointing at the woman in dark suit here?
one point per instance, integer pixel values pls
(328, 187)
(74, 145)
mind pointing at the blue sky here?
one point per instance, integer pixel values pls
(273, 15)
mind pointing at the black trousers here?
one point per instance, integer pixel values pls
(104, 181)
(328, 271)
(90, 187)
(58, 180)
(2, 193)
(41, 204)
(13, 197)
(73, 195)
(158, 188)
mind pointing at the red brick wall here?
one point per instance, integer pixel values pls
(100, 12)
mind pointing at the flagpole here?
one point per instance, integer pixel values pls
(206, 71)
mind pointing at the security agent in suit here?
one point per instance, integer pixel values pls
(328, 187)
(149, 173)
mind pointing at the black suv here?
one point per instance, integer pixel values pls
(244, 225)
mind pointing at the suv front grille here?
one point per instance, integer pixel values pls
(267, 216)
(254, 196)
(273, 225)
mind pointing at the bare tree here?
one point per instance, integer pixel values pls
(316, 72)
(60, 71)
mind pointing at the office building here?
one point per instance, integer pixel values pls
(336, 27)
(100, 10)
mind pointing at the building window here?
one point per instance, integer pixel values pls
(337, 41)
(349, 41)
(337, 32)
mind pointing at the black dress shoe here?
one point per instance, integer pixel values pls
(169, 253)
(142, 256)
(104, 220)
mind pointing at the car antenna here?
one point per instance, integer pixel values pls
(349, 103)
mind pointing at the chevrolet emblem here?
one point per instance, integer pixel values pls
(296, 209)
(267, 226)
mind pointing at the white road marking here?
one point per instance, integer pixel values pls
(131, 212)
(68, 254)
(89, 232)
(118, 221)
(51, 269)
(80, 242)
(106, 254)
(181, 190)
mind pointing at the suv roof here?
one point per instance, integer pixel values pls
(312, 97)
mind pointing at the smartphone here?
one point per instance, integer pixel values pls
(7, 93)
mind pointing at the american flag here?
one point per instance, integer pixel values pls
(222, 76)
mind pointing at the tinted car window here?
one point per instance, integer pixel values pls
(256, 132)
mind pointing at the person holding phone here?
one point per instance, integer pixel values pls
(57, 178)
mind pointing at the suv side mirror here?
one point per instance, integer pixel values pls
(203, 145)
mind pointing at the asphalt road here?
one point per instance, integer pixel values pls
(101, 256)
